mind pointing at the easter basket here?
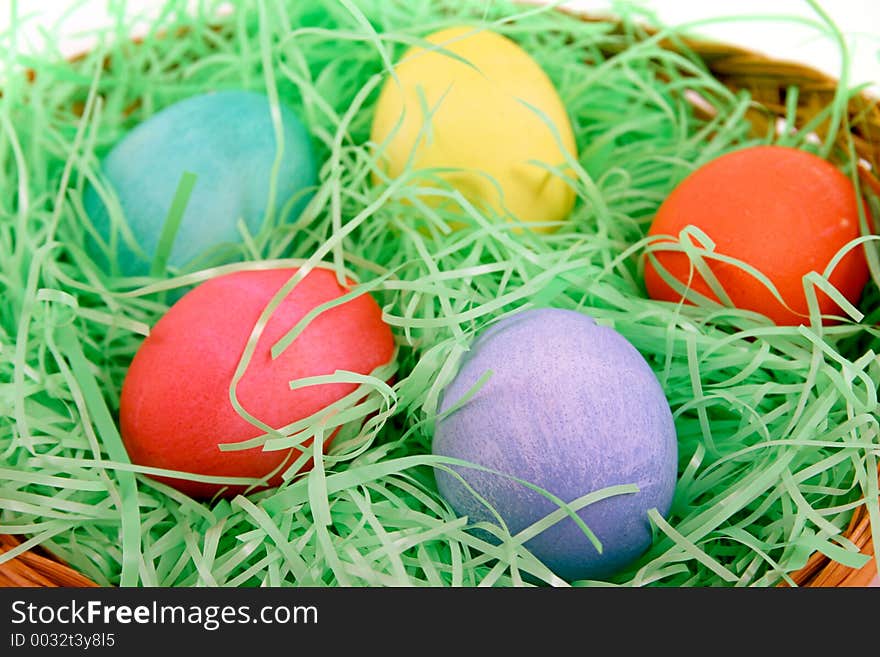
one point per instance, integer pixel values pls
(46, 544)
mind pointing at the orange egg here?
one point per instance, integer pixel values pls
(782, 211)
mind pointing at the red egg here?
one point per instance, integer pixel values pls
(175, 407)
(784, 211)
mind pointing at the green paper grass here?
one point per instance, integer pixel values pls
(777, 426)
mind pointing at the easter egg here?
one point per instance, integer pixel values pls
(470, 109)
(781, 210)
(175, 406)
(228, 141)
(571, 407)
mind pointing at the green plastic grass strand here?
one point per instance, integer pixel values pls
(777, 426)
(22, 171)
(112, 443)
(172, 223)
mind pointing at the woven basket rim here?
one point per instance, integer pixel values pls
(38, 568)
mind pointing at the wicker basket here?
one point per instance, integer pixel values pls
(767, 81)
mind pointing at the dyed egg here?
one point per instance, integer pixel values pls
(481, 130)
(781, 210)
(175, 405)
(228, 140)
(571, 407)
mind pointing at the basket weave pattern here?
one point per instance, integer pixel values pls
(768, 81)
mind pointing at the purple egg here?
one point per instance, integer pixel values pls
(571, 407)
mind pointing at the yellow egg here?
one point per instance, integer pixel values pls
(475, 108)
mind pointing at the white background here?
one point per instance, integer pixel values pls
(858, 21)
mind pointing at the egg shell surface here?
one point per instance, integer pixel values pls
(478, 89)
(227, 139)
(175, 403)
(784, 211)
(571, 407)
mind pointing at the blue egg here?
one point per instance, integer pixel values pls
(227, 139)
(573, 408)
